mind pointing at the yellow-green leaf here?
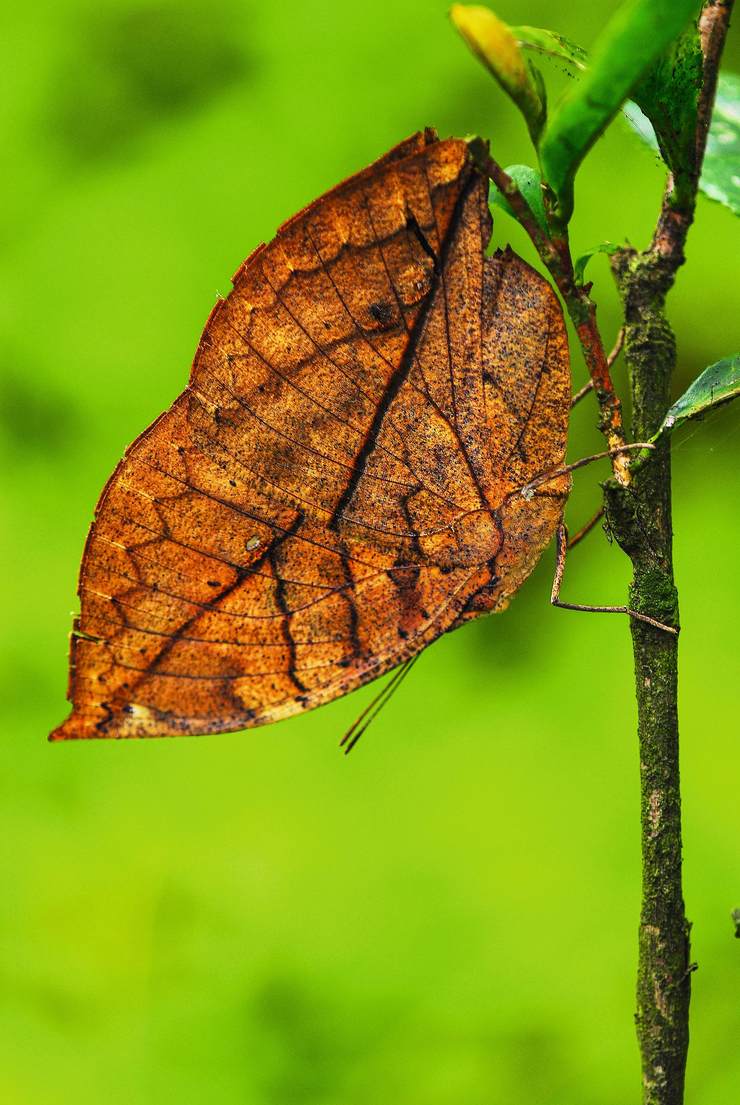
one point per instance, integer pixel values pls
(552, 44)
(493, 43)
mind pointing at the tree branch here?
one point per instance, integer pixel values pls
(714, 24)
(638, 510)
(640, 520)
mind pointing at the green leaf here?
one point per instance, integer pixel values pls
(640, 124)
(720, 178)
(529, 183)
(552, 44)
(668, 95)
(635, 36)
(493, 43)
(717, 384)
(579, 268)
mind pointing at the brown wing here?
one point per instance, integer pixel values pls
(526, 397)
(334, 489)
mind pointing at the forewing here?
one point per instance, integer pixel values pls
(256, 551)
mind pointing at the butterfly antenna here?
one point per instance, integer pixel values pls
(368, 715)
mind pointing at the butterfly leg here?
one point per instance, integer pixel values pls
(561, 538)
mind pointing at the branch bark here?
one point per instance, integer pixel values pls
(639, 517)
(637, 504)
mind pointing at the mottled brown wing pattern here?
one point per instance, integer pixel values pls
(337, 485)
(525, 373)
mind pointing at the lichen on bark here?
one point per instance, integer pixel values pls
(639, 517)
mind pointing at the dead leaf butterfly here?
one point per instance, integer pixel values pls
(339, 483)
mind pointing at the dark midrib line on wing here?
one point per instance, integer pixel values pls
(292, 440)
(321, 347)
(443, 283)
(305, 502)
(295, 441)
(363, 334)
(407, 360)
(413, 225)
(349, 597)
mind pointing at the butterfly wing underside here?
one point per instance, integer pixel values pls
(336, 486)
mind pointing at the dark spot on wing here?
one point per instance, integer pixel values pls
(381, 312)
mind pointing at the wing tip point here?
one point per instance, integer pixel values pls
(62, 732)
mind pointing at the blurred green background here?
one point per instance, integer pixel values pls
(448, 916)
